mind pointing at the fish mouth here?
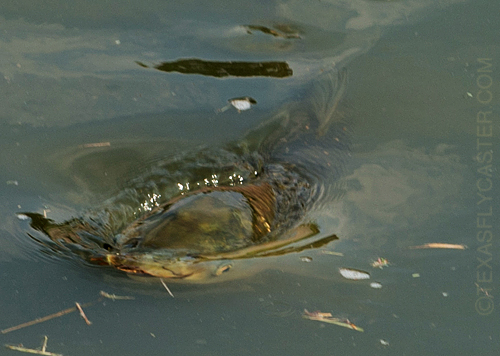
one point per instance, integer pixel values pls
(178, 275)
(117, 262)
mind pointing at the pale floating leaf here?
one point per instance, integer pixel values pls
(354, 274)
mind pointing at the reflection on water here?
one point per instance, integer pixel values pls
(70, 78)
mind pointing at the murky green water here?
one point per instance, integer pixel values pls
(422, 168)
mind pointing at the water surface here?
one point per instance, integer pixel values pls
(418, 77)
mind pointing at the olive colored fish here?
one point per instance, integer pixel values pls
(223, 230)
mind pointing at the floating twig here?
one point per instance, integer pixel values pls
(334, 253)
(485, 291)
(380, 263)
(45, 318)
(328, 318)
(77, 306)
(165, 285)
(96, 144)
(34, 351)
(82, 314)
(44, 345)
(115, 297)
(440, 245)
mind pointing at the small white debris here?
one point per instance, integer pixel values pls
(12, 182)
(306, 259)
(354, 274)
(470, 95)
(383, 342)
(22, 217)
(242, 104)
(445, 294)
(415, 275)
(117, 42)
(376, 285)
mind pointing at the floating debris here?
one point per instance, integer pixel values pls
(440, 245)
(115, 297)
(44, 345)
(484, 290)
(77, 306)
(383, 342)
(22, 216)
(415, 275)
(376, 285)
(82, 314)
(306, 259)
(325, 252)
(241, 104)
(12, 182)
(354, 274)
(328, 318)
(244, 103)
(45, 318)
(43, 351)
(165, 285)
(96, 144)
(380, 263)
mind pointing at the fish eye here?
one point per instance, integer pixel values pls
(223, 268)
